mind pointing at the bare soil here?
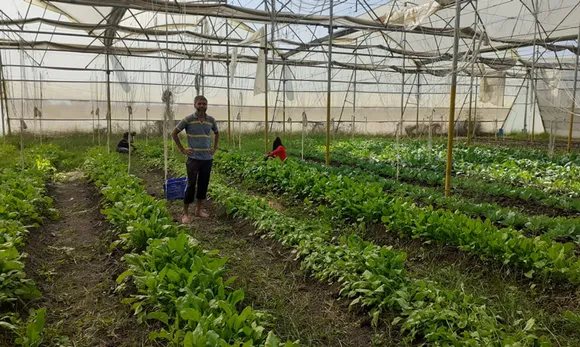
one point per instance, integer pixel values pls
(300, 306)
(70, 262)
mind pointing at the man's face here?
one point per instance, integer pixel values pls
(201, 106)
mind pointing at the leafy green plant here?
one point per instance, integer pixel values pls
(372, 276)
(365, 201)
(179, 284)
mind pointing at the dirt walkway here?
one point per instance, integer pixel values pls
(301, 307)
(69, 261)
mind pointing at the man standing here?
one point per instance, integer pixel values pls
(198, 127)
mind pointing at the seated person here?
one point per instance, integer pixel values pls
(278, 150)
(123, 145)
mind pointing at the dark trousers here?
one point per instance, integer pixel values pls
(198, 173)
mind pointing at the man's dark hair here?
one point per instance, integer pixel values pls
(277, 143)
(199, 97)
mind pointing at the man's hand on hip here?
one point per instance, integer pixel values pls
(187, 151)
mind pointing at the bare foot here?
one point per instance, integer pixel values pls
(201, 214)
(185, 219)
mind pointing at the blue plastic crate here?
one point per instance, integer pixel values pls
(175, 188)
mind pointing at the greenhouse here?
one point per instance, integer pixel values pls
(360, 173)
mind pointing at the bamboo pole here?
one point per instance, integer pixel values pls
(329, 84)
(573, 106)
(452, 100)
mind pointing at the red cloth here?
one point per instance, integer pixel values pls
(279, 152)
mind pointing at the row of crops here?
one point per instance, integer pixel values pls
(179, 284)
(23, 204)
(544, 181)
(352, 195)
(188, 298)
(370, 275)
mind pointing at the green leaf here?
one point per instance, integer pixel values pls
(272, 340)
(188, 340)
(529, 324)
(124, 275)
(160, 316)
(190, 314)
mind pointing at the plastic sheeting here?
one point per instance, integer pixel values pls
(260, 86)
(256, 36)
(492, 88)
(411, 17)
(289, 87)
(519, 119)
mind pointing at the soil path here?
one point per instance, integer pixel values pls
(301, 307)
(70, 262)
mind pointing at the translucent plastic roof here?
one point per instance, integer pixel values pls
(391, 36)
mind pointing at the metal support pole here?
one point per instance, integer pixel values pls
(130, 137)
(4, 96)
(266, 89)
(452, 100)
(202, 62)
(228, 85)
(329, 84)
(109, 127)
(534, 73)
(400, 127)
(284, 98)
(2, 108)
(477, 81)
(266, 81)
(470, 101)
(304, 125)
(41, 104)
(471, 80)
(573, 106)
(418, 103)
(354, 91)
(526, 108)
(147, 125)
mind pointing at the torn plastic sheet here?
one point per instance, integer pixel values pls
(260, 85)
(411, 17)
(492, 88)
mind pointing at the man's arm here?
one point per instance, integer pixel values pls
(216, 140)
(175, 136)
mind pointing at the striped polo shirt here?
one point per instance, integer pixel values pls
(199, 135)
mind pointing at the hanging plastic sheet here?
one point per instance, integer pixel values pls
(260, 86)
(411, 17)
(492, 88)
(552, 79)
(255, 37)
(289, 86)
(120, 74)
